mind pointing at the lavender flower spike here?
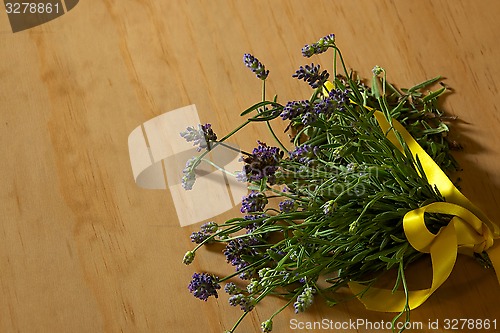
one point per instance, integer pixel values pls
(204, 285)
(304, 300)
(189, 176)
(319, 47)
(255, 66)
(311, 74)
(254, 202)
(287, 206)
(246, 303)
(267, 326)
(202, 136)
(262, 163)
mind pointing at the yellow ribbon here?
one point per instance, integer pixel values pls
(469, 230)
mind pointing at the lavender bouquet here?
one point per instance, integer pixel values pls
(329, 210)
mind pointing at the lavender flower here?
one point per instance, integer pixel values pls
(246, 273)
(341, 98)
(208, 134)
(231, 288)
(246, 303)
(304, 300)
(188, 258)
(319, 47)
(262, 163)
(199, 236)
(351, 167)
(203, 286)
(209, 227)
(188, 181)
(254, 202)
(267, 326)
(308, 118)
(189, 177)
(329, 207)
(305, 154)
(252, 226)
(254, 286)
(327, 40)
(287, 206)
(202, 136)
(241, 176)
(294, 109)
(205, 232)
(309, 50)
(377, 70)
(324, 107)
(311, 75)
(235, 248)
(335, 101)
(255, 217)
(255, 66)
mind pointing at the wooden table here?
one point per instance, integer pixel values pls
(84, 249)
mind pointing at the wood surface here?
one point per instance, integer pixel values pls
(84, 249)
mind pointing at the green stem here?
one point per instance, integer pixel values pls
(257, 263)
(263, 90)
(222, 232)
(334, 63)
(352, 84)
(218, 167)
(238, 322)
(234, 149)
(286, 305)
(276, 137)
(406, 309)
(284, 194)
(199, 158)
(268, 123)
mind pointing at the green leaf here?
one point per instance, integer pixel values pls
(388, 260)
(424, 84)
(398, 240)
(360, 256)
(259, 105)
(434, 95)
(259, 118)
(375, 87)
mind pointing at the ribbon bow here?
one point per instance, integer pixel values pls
(469, 230)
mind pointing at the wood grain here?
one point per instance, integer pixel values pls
(83, 249)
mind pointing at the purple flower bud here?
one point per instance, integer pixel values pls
(201, 136)
(188, 258)
(319, 47)
(287, 206)
(199, 236)
(246, 303)
(255, 66)
(309, 50)
(262, 163)
(294, 109)
(267, 326)
(235, 248)
(304, 300)
(311, 75)
(209, 227)
(231, 288)
(305, 154)
(204, 285)
(254, 202)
